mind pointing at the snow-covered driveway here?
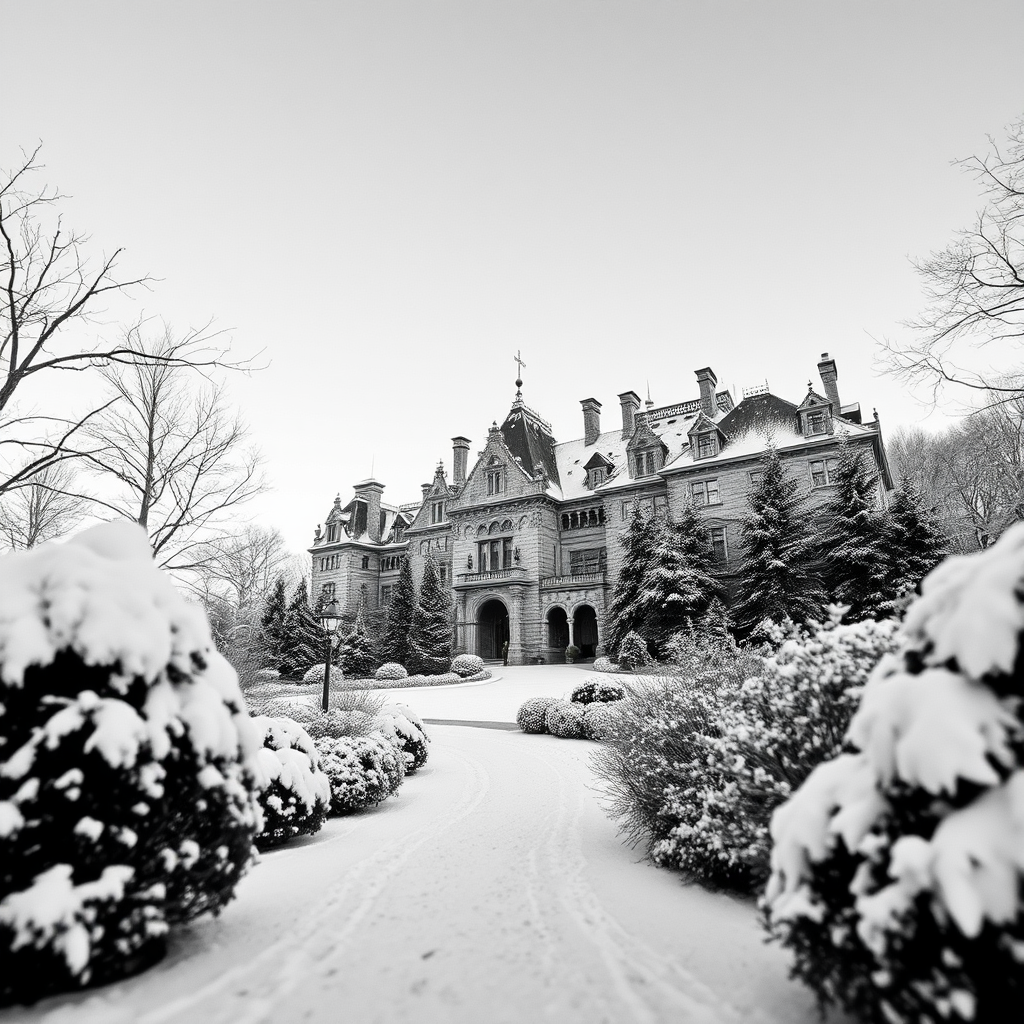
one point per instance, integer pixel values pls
(492, 888)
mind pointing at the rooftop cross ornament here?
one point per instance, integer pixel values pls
(519, 376)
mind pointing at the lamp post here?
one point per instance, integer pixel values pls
(329, 620)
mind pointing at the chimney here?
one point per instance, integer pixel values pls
(370, 492)
(707, 380)
(829, 375)
(591, 420)
(426, 489)
(460, 459)
(630, 402)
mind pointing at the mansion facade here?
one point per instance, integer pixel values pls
(527, 536)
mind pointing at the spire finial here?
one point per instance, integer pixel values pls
(519, 375)
(649, 403)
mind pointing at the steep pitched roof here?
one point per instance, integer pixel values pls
(528, 438)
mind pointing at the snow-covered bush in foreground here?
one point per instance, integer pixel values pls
(128, 764)
(771, 730)
(404, 731)
(352, 713)
(596, 690)
(315, 673)
(565, 719)
(898, 868)
(390, 670)
(530, 716)
(363, 770)
(604, 664)
(467, 665)
(633, 652)
(296, 795)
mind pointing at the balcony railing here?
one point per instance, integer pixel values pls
(575, 579)
(514, 573)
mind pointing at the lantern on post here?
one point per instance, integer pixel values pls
(330, 619)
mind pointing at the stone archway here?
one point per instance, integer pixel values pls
(584, 630)
(558, 628)
(492, 629)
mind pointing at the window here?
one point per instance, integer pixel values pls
(587, 560)
(651, 464)
(385, 596)
(705, 492)
(366, 562)
(437, 512)
(596, 477)
(442, 571)
(327, 592)
(816, 422)
(495, 554)
(823, 472)
(718, 545)
(706, 445)
(756, 476)
(658, 505)
(661, 505)
(494, 481)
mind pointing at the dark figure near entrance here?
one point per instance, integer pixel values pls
(504, 653)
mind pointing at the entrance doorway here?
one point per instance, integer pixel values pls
(492, 629)
(558, 629)
(584, 624)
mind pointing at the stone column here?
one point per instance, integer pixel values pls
(516, 653)
(461, 627)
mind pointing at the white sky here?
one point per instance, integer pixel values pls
(389, 199)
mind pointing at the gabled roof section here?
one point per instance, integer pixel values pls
(814, 401)
(703, 423)
(760, 413)
(644, 437)
(529, 439)
(597, 459)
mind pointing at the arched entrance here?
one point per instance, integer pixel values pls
(584, 630)
(491, 629)
(558, 629)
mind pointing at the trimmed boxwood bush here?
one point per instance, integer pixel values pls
(363, 770)
(564, 719)
(295, 794)
(315, 673)
(600, 719)
(467, 665)
(604, 664)
(633, 652)
(530, 716)
(597, 690)
(128, 767)
(407, 736)
(390, 670)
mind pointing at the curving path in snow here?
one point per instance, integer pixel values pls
(491, 889)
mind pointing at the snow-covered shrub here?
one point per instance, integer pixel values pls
(363, 770)
(633, 652)
(296, 795)
(407, 736)
(565, 719)
(268, 673)
(898, 867)
(604, 664)
(467, 664)
(769, 734)
(600, 719)
(390, 670)
(315, 674)
(128, 766)
(352, 713)
(530, 716)
(596, 690)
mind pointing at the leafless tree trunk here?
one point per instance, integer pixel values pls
(169, 454)
(48, 507)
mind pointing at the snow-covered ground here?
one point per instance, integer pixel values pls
(492, 888)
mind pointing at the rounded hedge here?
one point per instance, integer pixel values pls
(391, 670)
(128, 768)
(597, 690)
(295, 794)
(530, 716)
(362, 770)
(633, 652)
(315, 673)
(600, 719)
(604, 664)
(564, 719)
(467, 664)
(408, 737)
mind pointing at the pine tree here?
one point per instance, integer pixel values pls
(394, 643)
(680, 584)
(639, 540)
(355, 655)
(431, 635)
(852, 541)
(915, 541)
(272, 632)
(778, 575)
(304, 643)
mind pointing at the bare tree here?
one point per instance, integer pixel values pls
(47, 507)
(975, 289)
(169, 453)
(50, 289)
(241, 566)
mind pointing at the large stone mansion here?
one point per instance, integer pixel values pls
(527, 536)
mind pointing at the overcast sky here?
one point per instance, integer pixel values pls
(387, 200)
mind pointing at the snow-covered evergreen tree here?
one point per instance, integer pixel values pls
(852, 540)
(304, 639)
(779, 578)
(394, 643)
(680, 583)
(273, 630)
(431, 635)
(355, 654)
(639, 539)
(916, 543)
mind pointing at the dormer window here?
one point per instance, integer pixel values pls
(597, 477)
(437, 512)
(816, 422)
(707, 445)
(494, 481)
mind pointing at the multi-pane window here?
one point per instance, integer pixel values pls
(823, 472)
(366, 561)
(327, 592)
(816, 422)
(442, 571)
(658, 505)
(706, 445)
(494, 482)
(385, 596)
(718, 545)
(756, 476)
(705, 492)
(495, 554)
(437, 512)
(596, 477)
(587, 560)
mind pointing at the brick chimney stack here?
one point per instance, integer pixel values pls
(708, 381)
(425, 488)
(829, 375)
(460, 460)
(630, 402)
(591, 420)
(370, 491)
